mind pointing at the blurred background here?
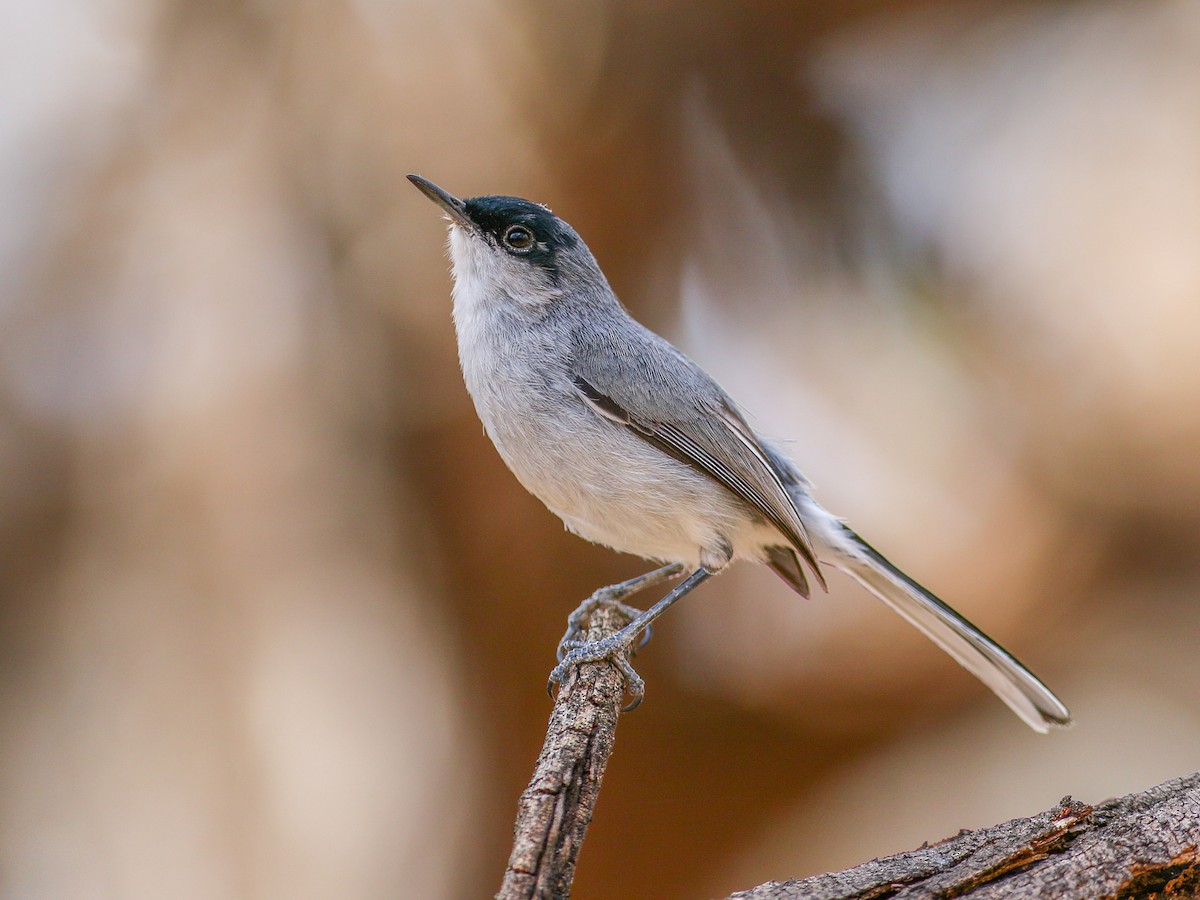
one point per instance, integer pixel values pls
(276, 621)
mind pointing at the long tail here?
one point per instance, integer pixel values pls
(975, 651)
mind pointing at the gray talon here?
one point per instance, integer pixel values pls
(615, 649)
(579, 618)
(646, 635)
(572, 650)
(634, 685)
(611, 597)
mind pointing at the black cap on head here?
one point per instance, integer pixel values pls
(521, 228)
(495, 215)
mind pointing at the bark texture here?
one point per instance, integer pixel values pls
(555, 809)
(1140, 846)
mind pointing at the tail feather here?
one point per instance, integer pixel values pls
(975, 651)
(787, 566)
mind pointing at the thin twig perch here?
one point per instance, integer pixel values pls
(555, 809)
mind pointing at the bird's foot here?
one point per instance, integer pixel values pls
(573, 649)
(615, 648)
(578, 621)
(612, 597)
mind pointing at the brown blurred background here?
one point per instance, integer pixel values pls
(275, 619)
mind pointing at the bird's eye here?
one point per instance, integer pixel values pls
(518, 237)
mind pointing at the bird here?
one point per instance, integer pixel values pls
(635, 447)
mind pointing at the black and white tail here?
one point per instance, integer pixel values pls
(975, 651)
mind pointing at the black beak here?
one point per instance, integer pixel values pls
(455, 208)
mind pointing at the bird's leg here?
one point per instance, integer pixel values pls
(616, 647)
(612, 597)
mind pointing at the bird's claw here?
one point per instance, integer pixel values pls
(578, 620)
(571, 640)
(646, 635)
(635, 687)
(617, 648)
(614, 649)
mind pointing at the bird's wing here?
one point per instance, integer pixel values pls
(667, 400)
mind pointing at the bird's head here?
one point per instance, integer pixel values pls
(509, 248)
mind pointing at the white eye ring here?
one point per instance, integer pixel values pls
(519, 238)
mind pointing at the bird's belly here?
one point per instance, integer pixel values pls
(606, 483)
(610, 486)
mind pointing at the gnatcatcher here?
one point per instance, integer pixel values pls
(634, 446)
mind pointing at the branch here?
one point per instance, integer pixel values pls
(1143, 845)
(555, 809)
